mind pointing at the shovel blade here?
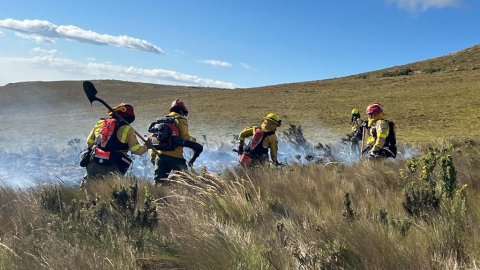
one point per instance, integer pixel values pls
(90, 91)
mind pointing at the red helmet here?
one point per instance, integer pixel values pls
(123, 110)
(374, 109)
(178, 104)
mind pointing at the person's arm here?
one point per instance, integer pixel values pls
(182, 125)
(91, 136)
(91, 139)
(370, 138)
(382, 133)
(273, 148)
(153, 154)
(133, 145)
(247, 132)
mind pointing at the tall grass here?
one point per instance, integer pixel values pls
(297, 217)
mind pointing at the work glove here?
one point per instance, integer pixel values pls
(193, 158)
(240, 148)
(148, 143)
(365, 123)
(372, 154)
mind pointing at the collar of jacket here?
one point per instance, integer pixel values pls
(268, 126)
(175, 114)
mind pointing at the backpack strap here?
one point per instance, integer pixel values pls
(269, 133)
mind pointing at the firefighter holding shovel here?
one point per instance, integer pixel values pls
(110, 141)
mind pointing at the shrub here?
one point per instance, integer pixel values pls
(398, 72)
(431, 70)
(448, 175)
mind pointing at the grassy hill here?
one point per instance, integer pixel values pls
(431, 99)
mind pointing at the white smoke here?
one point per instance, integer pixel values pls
(59, 163)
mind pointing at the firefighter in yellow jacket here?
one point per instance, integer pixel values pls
(110, 141)
(263, 139)
(382, 140)
(355, 135)
(173, 160)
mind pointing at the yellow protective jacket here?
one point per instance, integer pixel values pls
(270, 142)
(357, 124)
(182, 125)
(125, 134)
(381, 128)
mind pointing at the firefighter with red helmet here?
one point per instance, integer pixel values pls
(263, 139)
(110, 141)
(173, 159)
(382, 139)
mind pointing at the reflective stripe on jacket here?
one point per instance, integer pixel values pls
(378, 134)
(125, 134)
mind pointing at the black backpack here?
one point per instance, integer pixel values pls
(165, 130)
(392, 136)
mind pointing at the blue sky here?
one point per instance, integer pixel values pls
(226, 43)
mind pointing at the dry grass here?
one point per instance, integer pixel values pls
(265, 218)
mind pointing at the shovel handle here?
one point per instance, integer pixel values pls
(363, 141)
(123, 120)
(144, 140)
(91, 92)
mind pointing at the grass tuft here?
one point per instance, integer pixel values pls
(371, 215)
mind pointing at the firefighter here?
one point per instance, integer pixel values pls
(110, 141)
(357, 129)
(382, 140)
(263, 139)
(173, 159)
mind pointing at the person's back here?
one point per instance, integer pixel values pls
(110, 141)
(173, 159)
(257, 151)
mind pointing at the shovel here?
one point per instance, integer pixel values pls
(91, 93)
(363, 141)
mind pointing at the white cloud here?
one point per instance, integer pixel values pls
(44, 31)
(180, 52)
(44, 52)
(423, 5)
(245, 65)
(1, 33)
(49, 67)
(90, 59)
(215, 63)
(35, 38)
